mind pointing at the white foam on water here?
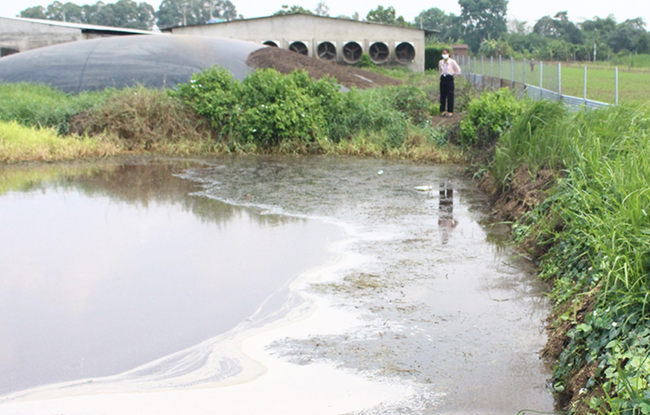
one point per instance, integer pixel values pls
(236, 372)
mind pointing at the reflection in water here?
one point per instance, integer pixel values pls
(116, 265)
(446, 219)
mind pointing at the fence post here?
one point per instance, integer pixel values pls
(584, 88)
(475, 71)
(491, 71)
(482, 65)
(512, 73)
(524, 80)
(541, 80)
(616, 75)
(559, 81)
(500, 76)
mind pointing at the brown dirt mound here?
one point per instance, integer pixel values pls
(286, 62)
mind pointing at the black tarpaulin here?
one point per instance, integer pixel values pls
(151, 60)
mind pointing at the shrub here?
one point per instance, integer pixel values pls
(433, 54)
(277, 107)
(488, 117)
(266, 108)
(365, 62)
(411, 101)
(213, 94)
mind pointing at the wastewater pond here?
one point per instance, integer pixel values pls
(276, 284)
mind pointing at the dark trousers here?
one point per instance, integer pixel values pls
(446, 93)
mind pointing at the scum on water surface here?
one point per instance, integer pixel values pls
(433, 301)
(442, 304)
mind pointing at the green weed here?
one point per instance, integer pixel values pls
(596, 225)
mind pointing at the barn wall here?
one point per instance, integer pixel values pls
(24, 36)
(312, 30)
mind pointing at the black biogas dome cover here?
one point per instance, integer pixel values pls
(156, 61)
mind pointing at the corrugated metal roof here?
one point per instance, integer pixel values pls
(83, 27)
(282, 16)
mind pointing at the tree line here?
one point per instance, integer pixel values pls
(129, 14)
(489, 33)
(482, 24)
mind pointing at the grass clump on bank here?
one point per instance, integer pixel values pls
(592, 234)
(41, 106)
(20, 143)
(143, 119)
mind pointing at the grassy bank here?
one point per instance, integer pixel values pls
(589, 227)
(20, 143)
(267, 112)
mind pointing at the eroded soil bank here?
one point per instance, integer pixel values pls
(426, 309)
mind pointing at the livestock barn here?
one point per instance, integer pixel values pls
(18, 34)
(331, 39)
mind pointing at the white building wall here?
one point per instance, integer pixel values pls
(23, 36)
(315, 29)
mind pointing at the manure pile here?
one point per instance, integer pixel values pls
(286, 61)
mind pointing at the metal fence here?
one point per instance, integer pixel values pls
(538, 80)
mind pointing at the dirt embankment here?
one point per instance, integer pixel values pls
(285, 61)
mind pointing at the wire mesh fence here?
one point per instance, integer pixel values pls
(542, 80)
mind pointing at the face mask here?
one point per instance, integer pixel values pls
(445, 56)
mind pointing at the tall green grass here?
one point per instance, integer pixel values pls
(632, 60)
(20, 143)
(41, 106)
(600, 237)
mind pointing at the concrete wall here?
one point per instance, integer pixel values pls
(23, 36)
(313, 30)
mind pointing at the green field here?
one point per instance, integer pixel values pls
(633, 84)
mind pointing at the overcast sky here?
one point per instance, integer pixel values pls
(526, 10)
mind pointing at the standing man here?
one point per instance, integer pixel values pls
(448, 70)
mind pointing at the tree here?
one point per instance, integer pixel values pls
(483, 19)
(519, 27)
(531, 43)
(386, 16)
(177, 13)
(448, 26)
(643, 45)
(124, 13)
(559, 27)
(36, 12)
(292, 10)
(217, 9)
(322, 9)
(598, 28)
(627, 35)
(494, 48)
(191, 12)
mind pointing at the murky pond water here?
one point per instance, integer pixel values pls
(261, 285)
